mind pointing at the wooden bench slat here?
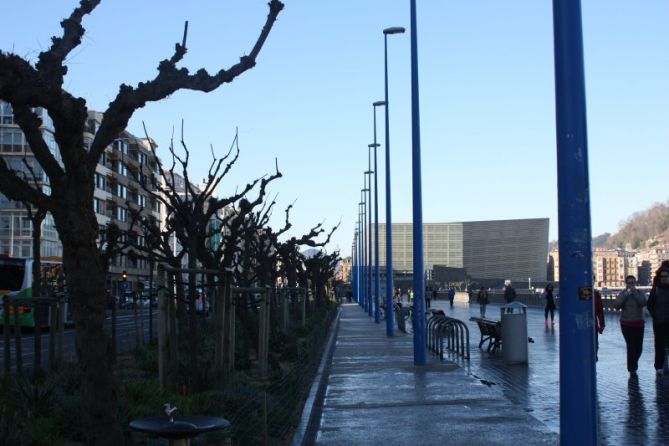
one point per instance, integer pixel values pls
(491, 332)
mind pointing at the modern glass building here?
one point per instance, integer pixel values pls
(496, 249)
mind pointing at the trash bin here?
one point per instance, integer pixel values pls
(514, 333)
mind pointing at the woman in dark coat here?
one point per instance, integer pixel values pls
(550, 304)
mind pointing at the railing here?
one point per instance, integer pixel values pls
(453, 331)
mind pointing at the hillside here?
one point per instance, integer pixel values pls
(642, 229)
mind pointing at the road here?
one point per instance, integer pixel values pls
(125, 339)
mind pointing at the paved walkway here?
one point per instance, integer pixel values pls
(374, 395)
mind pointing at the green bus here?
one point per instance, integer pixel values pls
(16, 281)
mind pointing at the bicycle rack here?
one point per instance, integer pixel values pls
(442, 328)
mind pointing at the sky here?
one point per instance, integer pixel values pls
(487, 100)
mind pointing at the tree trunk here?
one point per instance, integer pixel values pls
(192, 379)
(85, 274)
(38, 309)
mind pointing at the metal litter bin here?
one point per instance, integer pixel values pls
(514, 333)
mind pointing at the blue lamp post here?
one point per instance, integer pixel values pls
(390, 323)
(364, 248)
(578, 386)
(369, 173)
(354, 265)
(367, 247)
(361, 262)
(419, 357)
(377, 278)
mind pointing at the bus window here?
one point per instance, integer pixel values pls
(11, 275)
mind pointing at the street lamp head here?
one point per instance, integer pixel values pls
(373, 145)
(379, 103)
(368, 172)
(394, 30)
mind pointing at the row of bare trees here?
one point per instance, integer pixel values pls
(231, 234)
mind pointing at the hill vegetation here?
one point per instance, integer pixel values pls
(642, 229)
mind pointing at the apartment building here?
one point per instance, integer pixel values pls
(344, 268)
(15, 225)
(123, 181)
(611, 266)
(122, 169)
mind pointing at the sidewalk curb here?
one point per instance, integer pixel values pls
(311, 414)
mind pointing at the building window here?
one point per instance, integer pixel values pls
(100, 181)
(11, 140)
(97, 206)
(122, 214)
(121, 191)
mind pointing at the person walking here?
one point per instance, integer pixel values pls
(631, 302)
(451, 295)
(509, 294)
(550, 304)
(599, 320)
(482, 299)
(428, 297)
(658, 307)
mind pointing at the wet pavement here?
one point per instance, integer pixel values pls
(373, 394)
(631, 411)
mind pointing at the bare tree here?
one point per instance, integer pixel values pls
(25, 86)
(320, 270)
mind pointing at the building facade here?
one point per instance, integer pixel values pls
(343, 272)
(124, 178)
(15, 225)
(126, 165)
(611, 266)
(496, 249)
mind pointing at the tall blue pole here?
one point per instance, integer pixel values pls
(355, 257)
(377, 277)
(390, 314)
(578, 387)
(361, 291)
(363, 250)
(369, 232)
(419, 357)
(375, 266)
(355, 264)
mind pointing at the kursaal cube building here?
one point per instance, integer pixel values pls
(495, 249)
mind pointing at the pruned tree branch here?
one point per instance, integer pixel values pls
(169, 80)
(16, 188)
(51, 62)
(30, 125)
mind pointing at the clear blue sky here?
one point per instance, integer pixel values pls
(486, 86)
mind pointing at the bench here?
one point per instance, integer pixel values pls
(491, 332)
